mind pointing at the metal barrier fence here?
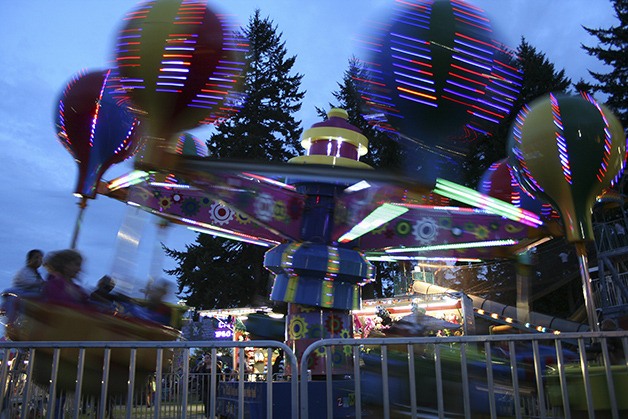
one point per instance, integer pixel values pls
(104, 379)
(522, 376)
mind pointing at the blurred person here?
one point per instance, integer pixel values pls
(29, 278)
(277, 364)
(63, 267)
(151, 389)
(204, 368)
(102, 294)
(156, 293)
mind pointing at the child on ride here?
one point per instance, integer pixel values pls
(63, 267)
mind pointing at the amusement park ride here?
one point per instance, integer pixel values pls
(325, 215)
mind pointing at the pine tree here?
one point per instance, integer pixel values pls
(218, 273)
(215, 272)
(611, 50)
(265, 128)
(539, 77)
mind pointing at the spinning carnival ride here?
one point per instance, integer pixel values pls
(324, 215)
(316, 223)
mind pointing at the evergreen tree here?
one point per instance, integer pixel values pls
(583, 86)
(611, 50)
(219, 273)
(539, 77)
(214, 272)
(265, 128)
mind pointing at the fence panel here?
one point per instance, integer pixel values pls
(57, 380)
(520, 376)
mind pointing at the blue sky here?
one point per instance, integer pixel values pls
(46, 42)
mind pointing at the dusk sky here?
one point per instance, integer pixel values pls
(46, 42)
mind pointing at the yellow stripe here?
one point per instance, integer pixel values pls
(291, 289)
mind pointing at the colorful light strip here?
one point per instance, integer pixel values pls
(441, 208)
(561, 143)
(210, 229)
(487, 182)
(130, 179)
(270, 181)
(393, 258)
(607, 141)
(378, 217)
(327, 286)
(171, 185)
(357, 187)
(215, 231)
(518, 154)
(447, 303)
(509, 320)
(453, 246)
(293, 277)
(472, 197)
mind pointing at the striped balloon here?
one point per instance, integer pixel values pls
(567, 150)
(96, 127)
(180, 63)
(436, 78)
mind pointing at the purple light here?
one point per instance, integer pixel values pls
(476, 22)
(607, 141)
(494, 90)
(520, 119)
(428, 89)
(435, 105)
(408, 38)
(479, 57)
(493, 105)
(489, 52)
(415, 70)
(513, 74)
(486, 117)
(472, 99)
(560, 139)
(462, 86)
(483, 67)
(414, 54)
(508, 103)
(477, 129)
(209, 96)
